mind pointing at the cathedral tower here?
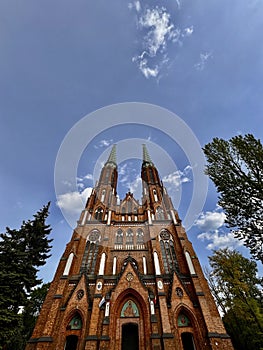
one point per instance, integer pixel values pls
(129, 278)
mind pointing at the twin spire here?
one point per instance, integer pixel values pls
(113, 156)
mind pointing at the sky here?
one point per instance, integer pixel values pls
(63, 63)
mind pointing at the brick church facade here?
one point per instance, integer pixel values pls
(129, 279)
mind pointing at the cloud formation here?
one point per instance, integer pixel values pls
(103, 143)
(158, 32)
(178, 177)
(200, 65)
(73, 202)
(211, 222)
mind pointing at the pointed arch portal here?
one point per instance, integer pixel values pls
(188, 341)
(71, 342)
(130, 337)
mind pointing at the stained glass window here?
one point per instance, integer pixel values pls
(183, 321)
(76, 322)
(130, 309)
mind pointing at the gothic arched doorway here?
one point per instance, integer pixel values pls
(130, 337)
(188, 341)
(71, 342)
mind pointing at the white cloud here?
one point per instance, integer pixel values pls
(219, 240)
(103, 143)
(67, 183)
(122, 169)
(88, 177)
(178, 4)
(157, 20)
(147, 71)
(136, 5)
(73, 202)
(176, 178)
(203, 59)
(136, 187)
(188, 31)
(159, 32)
(212, 222)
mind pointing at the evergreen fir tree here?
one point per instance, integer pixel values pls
(22, 252)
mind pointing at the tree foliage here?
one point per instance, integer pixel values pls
(235, 286)
(236, 168)
(22, 252)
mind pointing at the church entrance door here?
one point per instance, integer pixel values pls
(130, 337)
(71, 342)
(188, 341)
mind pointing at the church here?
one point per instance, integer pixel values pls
(129, 278)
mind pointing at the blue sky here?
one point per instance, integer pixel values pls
(62, 60)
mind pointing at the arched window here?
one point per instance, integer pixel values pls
(109, 199)
(183, 320)
(130, 309)
(90, 257)
(102, 264)
(151, 175)
(114, 266)
(155, 195)
(123, 210)
(140, 236)
(103, 193)
(144, 264)
(156, 263)
(119, 237)
(99, 214)
(159, 213)
(75, 322)
(68, 264)
(129, 206)
(129, 237)
(190, 263)
(112, 179)
(107, 175)
(168, 252)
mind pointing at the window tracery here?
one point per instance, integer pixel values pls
(159, 213)
(168, 252)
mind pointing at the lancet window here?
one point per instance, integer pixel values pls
(119, 237)
(91, 252)
(168, 252)
(129, 237)
(155, 195)
(103, 193)
(99, 214)
(139, 236)
(159, 213)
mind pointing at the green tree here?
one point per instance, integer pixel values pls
(235, 287)
(236, 168)
(31, 312)
(21, 253)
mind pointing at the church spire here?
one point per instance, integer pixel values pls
(112, 157)
(146, 156)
